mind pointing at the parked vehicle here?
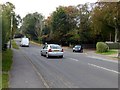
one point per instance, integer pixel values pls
(18, 35)
(24, 42)
(52, 50)
(78, 48)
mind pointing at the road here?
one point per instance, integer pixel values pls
(74, 70)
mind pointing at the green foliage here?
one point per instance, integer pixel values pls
(32, 25)
(8, 19)
(59, 23)
(85, 23)
(109, 52)
(5, 79)
(103, 20)
(102, 47)
(0, 81)
(14, 45)
(6, 66)
(66, 20)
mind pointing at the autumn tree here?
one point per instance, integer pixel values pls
(105, 21)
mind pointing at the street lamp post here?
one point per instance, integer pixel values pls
(11, 29)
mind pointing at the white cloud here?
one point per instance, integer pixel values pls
(45, 7)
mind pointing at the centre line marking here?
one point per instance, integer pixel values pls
(104, 68)
(73, 59)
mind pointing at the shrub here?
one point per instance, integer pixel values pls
(102, 47)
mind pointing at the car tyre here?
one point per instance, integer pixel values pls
(41, 54)
(81, 51)
(47, 55)
(61, 56)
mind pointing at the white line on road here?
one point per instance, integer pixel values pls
(73, 59)
(104, 68)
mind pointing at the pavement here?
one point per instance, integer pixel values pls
(22, 74)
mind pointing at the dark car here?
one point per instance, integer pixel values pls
(18, 35)
(78, 48)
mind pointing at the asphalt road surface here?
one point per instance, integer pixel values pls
(74, 70)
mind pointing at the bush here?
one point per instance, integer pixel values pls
(102, 47)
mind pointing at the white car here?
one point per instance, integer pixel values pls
(24, 42)
(52, 50)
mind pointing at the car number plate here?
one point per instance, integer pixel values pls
(56, 50)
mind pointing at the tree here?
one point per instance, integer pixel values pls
(83, 18)
(59, 25)
(105, 20)
(7, 13)
(32, 25)
(61, 22)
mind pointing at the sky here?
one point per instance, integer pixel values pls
(45, 7)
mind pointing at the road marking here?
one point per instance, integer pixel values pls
(73, 59)
(103, 68)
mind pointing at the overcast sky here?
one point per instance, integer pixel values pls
(45, 7)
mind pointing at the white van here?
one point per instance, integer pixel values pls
(24, 42)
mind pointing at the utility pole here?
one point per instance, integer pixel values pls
(11, 29)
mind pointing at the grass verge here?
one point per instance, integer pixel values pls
(5, 78)
(6, 60)
(6, 66)
(35, 43)
(0, 70)
(110, 52)
(14, 45)
(0, 81)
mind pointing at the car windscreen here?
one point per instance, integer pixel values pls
(77, 46)
(55, 47)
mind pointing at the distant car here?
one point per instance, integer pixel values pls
(18, 35)
(78, 48)
(24, 42)
(52, 50)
